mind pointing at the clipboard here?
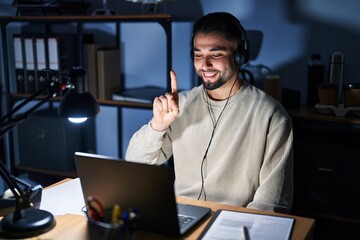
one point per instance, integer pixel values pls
(227, 224)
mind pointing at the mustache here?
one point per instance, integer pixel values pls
(208, 70)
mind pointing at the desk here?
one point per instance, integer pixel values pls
(312, 114)
(326, 176)
(74, 226)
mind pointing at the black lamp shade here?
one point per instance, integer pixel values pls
(78, 105)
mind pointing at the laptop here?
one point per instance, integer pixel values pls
(149, 188)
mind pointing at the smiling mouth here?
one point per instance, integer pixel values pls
(209, 74)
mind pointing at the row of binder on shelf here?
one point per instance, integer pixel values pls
(26, 49)
(35, 52)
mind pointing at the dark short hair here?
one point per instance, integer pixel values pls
(221, 22)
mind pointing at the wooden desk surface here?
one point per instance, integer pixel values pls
(75, 226)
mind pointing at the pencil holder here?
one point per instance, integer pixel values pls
(105, 230)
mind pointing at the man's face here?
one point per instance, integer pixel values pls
(214, 59)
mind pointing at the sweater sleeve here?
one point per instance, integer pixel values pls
(275, 191)
(149, 146)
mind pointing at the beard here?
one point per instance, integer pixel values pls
(213, 85)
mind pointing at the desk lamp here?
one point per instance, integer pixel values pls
(27, 220)
(77, 104)
(153, 4)
(104, 11)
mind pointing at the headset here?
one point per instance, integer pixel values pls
(242, 51)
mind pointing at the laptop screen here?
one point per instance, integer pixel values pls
(148, 188)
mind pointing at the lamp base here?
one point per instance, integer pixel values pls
(32, 222)
(7, 205)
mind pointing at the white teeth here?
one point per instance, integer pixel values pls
(209, 74)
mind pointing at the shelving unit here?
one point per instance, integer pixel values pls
(46, 22)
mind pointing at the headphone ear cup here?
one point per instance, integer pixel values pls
(241, 55)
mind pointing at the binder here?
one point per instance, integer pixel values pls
(109, 74)
(30, 85)
(68, 52)
(63, 53)
(52, 49)
(19, 64)
(40, 57)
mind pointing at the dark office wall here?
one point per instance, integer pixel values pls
(330, 26)
(293, 29)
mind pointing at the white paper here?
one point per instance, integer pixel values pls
(238, 225)
(65, 198)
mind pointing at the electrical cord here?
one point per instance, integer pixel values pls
(215, 124)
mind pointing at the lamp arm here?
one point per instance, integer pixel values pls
(8, 125)
(14, 187)
(23, 103)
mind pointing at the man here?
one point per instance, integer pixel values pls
(231, 143)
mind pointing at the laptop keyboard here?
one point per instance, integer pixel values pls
(183, 220)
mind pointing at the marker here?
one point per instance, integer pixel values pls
(115, 217)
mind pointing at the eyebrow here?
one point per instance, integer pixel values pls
(219, 48)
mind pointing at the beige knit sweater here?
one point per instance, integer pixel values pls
(250, 159)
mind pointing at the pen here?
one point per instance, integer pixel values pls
(245, 233)
(115, 217)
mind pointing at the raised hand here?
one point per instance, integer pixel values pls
(166, 107)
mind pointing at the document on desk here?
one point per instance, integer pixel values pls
(243, 226)
(65, 198)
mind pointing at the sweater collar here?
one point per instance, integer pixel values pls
(233, 98)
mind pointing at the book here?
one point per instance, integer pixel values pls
(144, 94)
(91, 63)
(108, 72)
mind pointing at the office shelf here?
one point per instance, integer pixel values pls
(163, 19)
(125, 104)
(46, 24)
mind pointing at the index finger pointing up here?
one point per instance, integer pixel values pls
(174, 86)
